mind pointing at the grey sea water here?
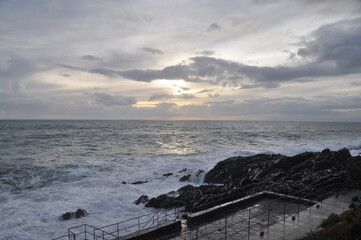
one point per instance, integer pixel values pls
(51, 167)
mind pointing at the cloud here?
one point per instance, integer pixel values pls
(184, 88)
(338, 43)
(206, 53)
(213, 27)
(206, 91)
(335, 50)
(65, 75)
(213, 95)
(225, 102)
(113, 100)
(91, 58)
(153, 51)
(160, 96)
(165, 105)
(356, 84)
(14, 71)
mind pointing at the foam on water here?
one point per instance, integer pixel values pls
(67, 167)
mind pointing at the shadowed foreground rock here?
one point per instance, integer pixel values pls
(273, 172)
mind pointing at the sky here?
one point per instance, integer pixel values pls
(181, 60)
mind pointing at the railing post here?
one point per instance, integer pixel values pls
(268, 213)
(103, 235)
(284, 213)
(225, 228)
(85, 232)
(249, 222)
(298, 209)
(117, 229)
(157, 218)
(165, 214)
(138, 224)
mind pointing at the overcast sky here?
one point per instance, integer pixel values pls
(185, 59)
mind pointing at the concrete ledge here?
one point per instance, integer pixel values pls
(161, 230)
(221, 210)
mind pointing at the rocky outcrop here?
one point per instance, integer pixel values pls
(240, 176)
(77, 214)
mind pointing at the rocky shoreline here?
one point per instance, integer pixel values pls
(239, 176)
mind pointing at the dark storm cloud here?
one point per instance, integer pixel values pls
(113, 100)
(213, 27)
(91, 58)
(335, 50)
(338, 43)
(153, 51)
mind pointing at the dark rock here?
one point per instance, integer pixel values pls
(67, 216)
(185, 178)
(326, 151)
(293, 218)
(139, 182)
(141, 199)
(80, 213)
(124, 182)
(167, 174)
(164, 201)
(77, 214)
(183, 170)
(241, 176)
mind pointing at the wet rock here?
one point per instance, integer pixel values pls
(141, 199)
(241, 176)
(80, 213)
(77, 214)
(124, 182)
(183, 170)
(167, 174)
(185, 178)
(139, 182)
(164, 201)
(67, 216)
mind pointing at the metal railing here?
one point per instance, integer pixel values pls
(311, 193)
(250, 218)
(118, 229)
(135, 225)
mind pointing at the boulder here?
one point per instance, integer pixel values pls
(141, 199)
(139, 182)
(79, 213)
(185, 178)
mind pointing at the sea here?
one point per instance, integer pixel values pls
(49, 167)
